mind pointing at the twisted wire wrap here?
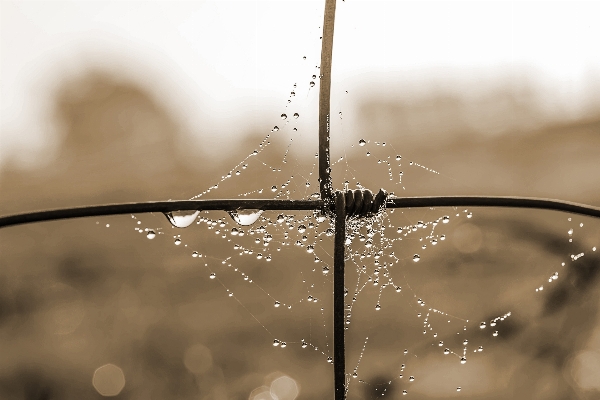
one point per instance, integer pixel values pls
(361, 203)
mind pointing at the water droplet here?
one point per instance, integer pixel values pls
(275, 128)
(329, 232)
(280, 218)
(458, 389)
(404, 393)
(441, 343)
(355, 375)
(495, 333)
(446, 219)
(411, 379)
(182, 219)
(304, 344)
(283, 116)
(570, 231)
(213, 275)
(301, 228)
(177, 242)
(398, 289)
(446, 351)
(416, 258)
(482, 325)
(362, 142)
(310, 248)
(463, 360)
(275, 342)
(377, 307)
(151, 234)
(470, 215)
(277, 304)
(195, 254)
(480, 348)
(245, 217)
(321, 218)
(329, 360)
(312, 83)
(465, 342)
(398, 157)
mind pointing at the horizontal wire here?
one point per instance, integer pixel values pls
(293, 205)
(160, 206)
(494, 201)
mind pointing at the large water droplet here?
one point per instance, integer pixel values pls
(302, 229)
(182, 219)
(296, 115)
(416, 258)
(151, 235)
(362, 142)
(463, 360)
(245, 217)
(283, 116)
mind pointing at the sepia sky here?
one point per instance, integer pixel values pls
(220, 64)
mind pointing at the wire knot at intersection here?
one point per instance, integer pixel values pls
(361, 203)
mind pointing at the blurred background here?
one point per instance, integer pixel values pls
(107, 102)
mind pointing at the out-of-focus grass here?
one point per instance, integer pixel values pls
(78, 295)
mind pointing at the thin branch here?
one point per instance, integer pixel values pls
(488, 201)
(339, 346)
(324, 100)
(159, 206)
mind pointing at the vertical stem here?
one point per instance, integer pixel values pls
(324, 100)
(339, 351)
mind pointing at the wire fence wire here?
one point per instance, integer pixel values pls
(334, 204)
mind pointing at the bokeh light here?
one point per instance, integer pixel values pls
(198, 359)
(109, 380)
(284, 388)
